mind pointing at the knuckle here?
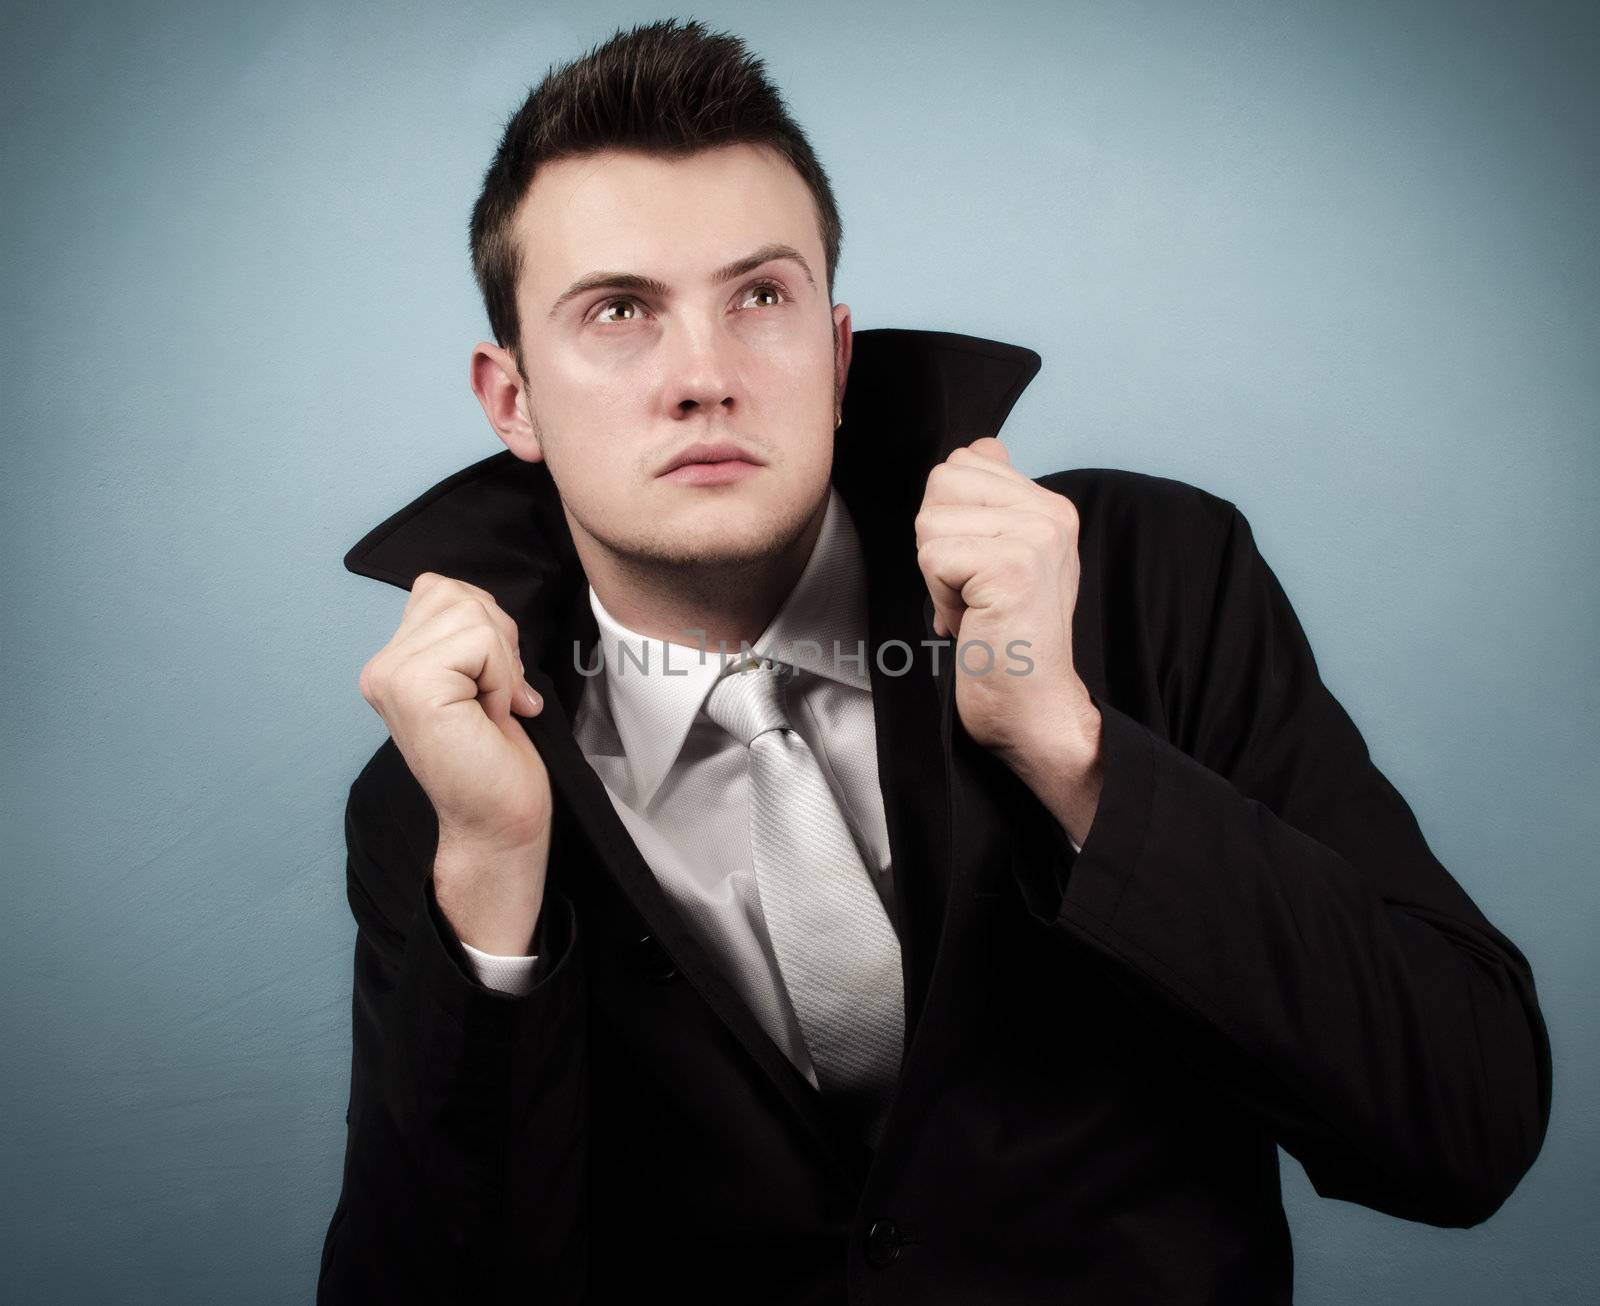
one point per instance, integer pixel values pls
(490, 604)
(400, 677)
(474, 611)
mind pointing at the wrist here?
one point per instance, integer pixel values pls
(1064, 767)
(1064, 743)
(491, 896)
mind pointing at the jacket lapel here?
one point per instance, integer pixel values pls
(911, 398)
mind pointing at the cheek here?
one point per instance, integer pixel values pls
(799, 387)
(585, 388)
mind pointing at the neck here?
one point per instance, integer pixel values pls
(731, 603)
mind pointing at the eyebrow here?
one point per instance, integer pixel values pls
(650, 286)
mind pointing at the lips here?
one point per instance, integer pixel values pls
(704, 452)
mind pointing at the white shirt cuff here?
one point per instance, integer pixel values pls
(507, 974)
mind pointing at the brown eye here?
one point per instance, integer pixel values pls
(610, 304)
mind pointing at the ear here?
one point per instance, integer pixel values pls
(841, 351)
(503, 394)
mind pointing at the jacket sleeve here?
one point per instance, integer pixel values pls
(464, 1170)
(1266, 896)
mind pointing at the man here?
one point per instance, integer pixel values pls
(991, 966)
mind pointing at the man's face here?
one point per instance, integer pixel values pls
(622, 379)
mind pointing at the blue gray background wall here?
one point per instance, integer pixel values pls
(1336, 262)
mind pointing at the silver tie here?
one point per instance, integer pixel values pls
(835, 946)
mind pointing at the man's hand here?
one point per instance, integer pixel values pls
(1000, 557)
(447, 685)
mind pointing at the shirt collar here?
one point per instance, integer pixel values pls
(655, 689)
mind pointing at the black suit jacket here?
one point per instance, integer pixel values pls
(1104, 1049)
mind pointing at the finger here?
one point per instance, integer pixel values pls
(521, 696)
(500, 683)
(973, 566)
(461, 614)
(976, 480)
(432, 593)
(992, 456)
(446, 610)
(947, 604)
(510, 692)
(472, 661)
(947, 566)
(421, 587)
(990, 447)
(451, 668)
(1025, 523)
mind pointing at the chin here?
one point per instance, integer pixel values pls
(722, 547)
(728, 531)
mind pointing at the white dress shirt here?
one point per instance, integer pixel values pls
(680, 783)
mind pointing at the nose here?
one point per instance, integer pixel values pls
(701, 372)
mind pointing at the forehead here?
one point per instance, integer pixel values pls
(671, 216)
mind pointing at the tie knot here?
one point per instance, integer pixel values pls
(747, 699)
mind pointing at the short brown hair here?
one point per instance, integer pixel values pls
(662, 88)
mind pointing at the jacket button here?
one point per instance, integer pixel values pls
(653, 960)
(883, 1243)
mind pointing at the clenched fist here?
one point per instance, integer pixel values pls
(999, 553)
(447, 685)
